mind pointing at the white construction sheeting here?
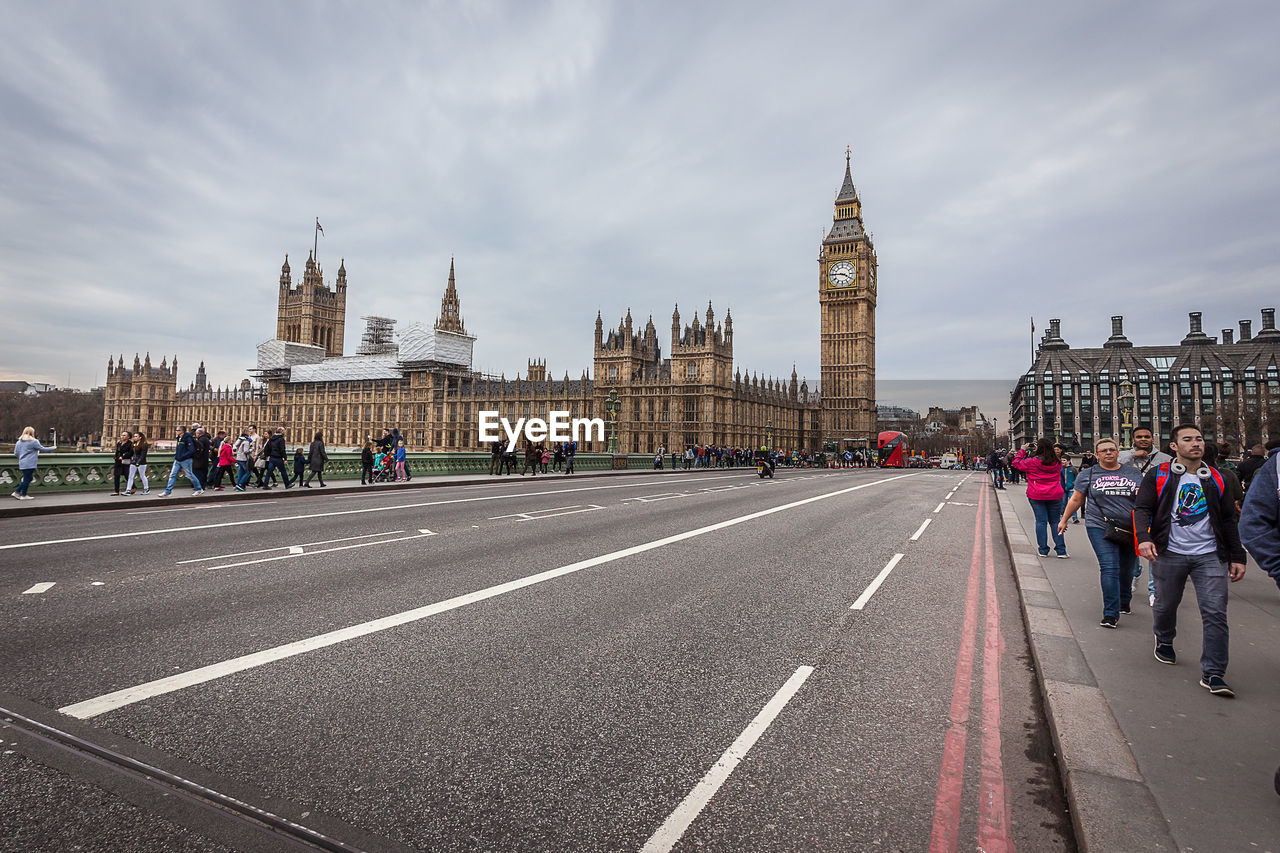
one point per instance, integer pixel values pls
(347, 368)
(275, 354)
(420, 343)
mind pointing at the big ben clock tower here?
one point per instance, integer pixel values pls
(847, 299)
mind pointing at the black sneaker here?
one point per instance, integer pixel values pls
(1109, 622)
(1126, 610)
(1165, 653)
(1216, 685)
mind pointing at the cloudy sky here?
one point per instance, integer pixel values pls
(1014, 159)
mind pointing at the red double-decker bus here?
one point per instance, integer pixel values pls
(893, 450)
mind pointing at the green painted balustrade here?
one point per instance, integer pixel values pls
(88, 472)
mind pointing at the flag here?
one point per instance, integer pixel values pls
(1033, 319)
(320, 228)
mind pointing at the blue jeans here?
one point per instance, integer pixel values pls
(244, 472)
(1209, 576)
(1047, 515)
(1117, 564)
(998, 476)
(185, 467)
(28, 474)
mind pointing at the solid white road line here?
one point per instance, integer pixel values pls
(939, 507)
(296, 551)
(129, 695)
(40, 587)
(875, 584)
(134, 533)
(282, 547)
(916, 535)
(669, 834)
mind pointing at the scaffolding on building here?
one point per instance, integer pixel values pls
(378, 336)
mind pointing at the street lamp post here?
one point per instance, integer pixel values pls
(1126, 414)
(769, 433)
(612, 405)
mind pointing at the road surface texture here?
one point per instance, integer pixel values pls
(829, 660)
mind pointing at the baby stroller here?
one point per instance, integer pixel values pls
(383, 472)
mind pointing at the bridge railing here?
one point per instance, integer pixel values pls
(86, 472)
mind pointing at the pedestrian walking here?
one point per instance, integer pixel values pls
(495, 457)
(366, 462)
(400, 458)
(1260, 520)
(138, 464)
(995, 463)
(277, 450)
(1185, 521)
(226, 463)
(1069, 474)
(243, 450)
(124, 457)
(570, 452)
(1044, 492)
(300, 465)
(1107, 491)
(200, 458)
(557, 460)
(1144, 456)
(28, 449)
(1251, 463)
(316, 458)
(182, 456)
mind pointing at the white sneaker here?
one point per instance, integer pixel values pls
(16, 496)
(28, 498)
(197, 494)
(1151, 599)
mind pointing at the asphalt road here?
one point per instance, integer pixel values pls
(697, 662)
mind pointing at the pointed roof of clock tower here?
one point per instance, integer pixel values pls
(848, 192)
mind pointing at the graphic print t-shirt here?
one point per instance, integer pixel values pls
(1109, 493)
(1189, 529)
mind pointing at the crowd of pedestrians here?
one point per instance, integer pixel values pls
(1186, 511)
(224, 460)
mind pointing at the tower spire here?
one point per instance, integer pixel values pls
(450, 319)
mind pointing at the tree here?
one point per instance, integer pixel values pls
(75, 415)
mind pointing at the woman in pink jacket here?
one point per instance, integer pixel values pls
(1044, 491)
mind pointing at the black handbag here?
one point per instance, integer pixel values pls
(1119, 532)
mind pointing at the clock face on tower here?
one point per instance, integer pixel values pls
(841, 274)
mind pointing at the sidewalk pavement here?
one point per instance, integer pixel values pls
(1150, 759)
(94, 501)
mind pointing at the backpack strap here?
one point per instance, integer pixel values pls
(1162, 479)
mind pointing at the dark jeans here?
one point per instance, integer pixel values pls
(275, 463)
(1117, 564)
(366, 473)
(1047, 515)
(28, 474)
(319, 474)
(1209, 576)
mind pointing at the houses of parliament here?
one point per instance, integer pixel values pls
(421, 380)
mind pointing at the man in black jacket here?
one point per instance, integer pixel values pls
(276, 452)
(1185, 520)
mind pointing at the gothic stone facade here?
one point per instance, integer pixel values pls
(426, 385)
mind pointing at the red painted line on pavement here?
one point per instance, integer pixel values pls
(946, 809)
(993, 803)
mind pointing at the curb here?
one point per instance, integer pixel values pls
(1111, 805)
(427, 482)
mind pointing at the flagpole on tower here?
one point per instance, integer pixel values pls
(315, 251)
